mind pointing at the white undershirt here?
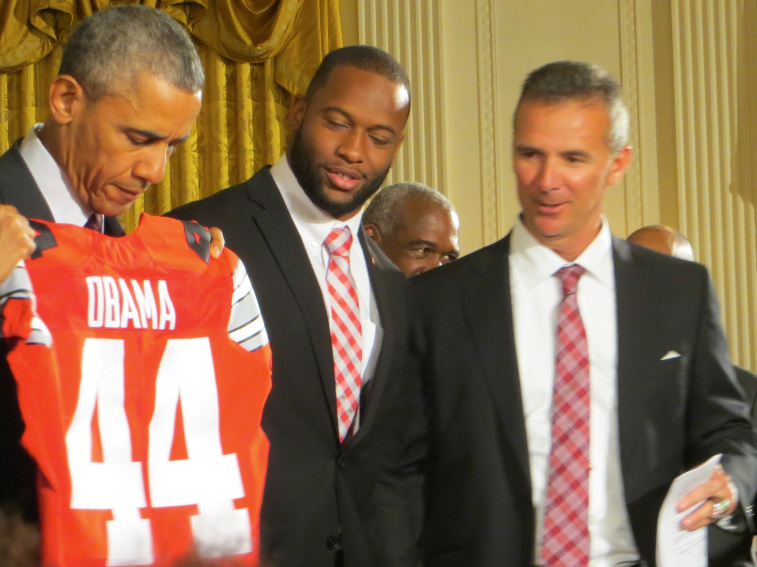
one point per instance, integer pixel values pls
(536, 295)
(314, 226)
(60, 197)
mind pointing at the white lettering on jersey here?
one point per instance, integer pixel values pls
(128, 310)
(109, 308)
(112, 311)
(96, 311)
(167, 312)
(145, 303)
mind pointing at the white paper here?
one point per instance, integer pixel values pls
(677, 547)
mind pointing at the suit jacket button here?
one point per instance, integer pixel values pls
(334, 543)
(340, 463)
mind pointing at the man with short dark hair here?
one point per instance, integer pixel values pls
(336, 312)
(571, 377)
(128, 92)
(415, 226)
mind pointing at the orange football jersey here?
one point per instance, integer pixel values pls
(141, 379)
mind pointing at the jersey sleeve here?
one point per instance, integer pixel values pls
(18, 310)
(246, 326)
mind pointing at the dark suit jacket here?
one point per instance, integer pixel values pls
(748, 382)
(672, 414)
(319, 495)
(18, 188)
(17, 471)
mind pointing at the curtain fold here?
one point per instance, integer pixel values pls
(257, 55)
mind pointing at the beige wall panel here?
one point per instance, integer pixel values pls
(714, 49)
(410, 31)
(462, 163)
(532, 33)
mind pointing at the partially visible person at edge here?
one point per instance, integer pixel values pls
(570, 375)
(669, 241)
(415, 226)
(336, 311)
(128, 91)
(16, 240)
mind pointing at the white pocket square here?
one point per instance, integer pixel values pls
(670, 354)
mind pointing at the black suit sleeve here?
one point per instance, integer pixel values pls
(400, 493)
(718, 417)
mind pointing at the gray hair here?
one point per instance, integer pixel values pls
(383, 211)
(557, 82)
(114, 46)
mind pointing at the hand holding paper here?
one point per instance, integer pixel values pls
(715, 489)
(676, 546)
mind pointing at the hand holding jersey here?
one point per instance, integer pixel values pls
(16, 240)
(143, 330)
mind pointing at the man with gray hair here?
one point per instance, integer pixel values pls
(570, 376)
(415, 226)
(128, 92)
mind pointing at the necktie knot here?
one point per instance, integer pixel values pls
(569, 276)
(95, 222)
(338, 241)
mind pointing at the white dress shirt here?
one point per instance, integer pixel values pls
(314, 226)
(536, 294)
(61, 198)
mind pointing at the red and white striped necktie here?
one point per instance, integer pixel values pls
(346, 330)
(566, 541)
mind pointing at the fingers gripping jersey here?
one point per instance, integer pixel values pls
(141, 382)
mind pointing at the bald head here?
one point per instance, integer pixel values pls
(664, 240)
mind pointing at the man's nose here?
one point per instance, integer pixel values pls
(548, 175)
(351, 147)
(152, 164)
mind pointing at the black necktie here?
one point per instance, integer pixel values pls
(95, 222)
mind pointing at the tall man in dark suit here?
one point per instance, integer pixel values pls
(128, 92)
(336, 408)
(669, 241)
(572, 376)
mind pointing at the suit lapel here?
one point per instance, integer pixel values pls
(488, 306)
(113, 227)
(18, 187)
(635, 314)
(280, 233)
(386, 293)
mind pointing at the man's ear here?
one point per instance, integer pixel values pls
(296, 113)
(373, 231)
(65, 95)
(619, 165)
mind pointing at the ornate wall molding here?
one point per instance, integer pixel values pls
(488, 140)
(630, 80)
(714, 47)
(410, 30)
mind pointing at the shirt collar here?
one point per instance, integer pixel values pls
(310, 220)
(537, 263)
(60, 196)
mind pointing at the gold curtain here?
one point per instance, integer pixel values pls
(257, 55)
